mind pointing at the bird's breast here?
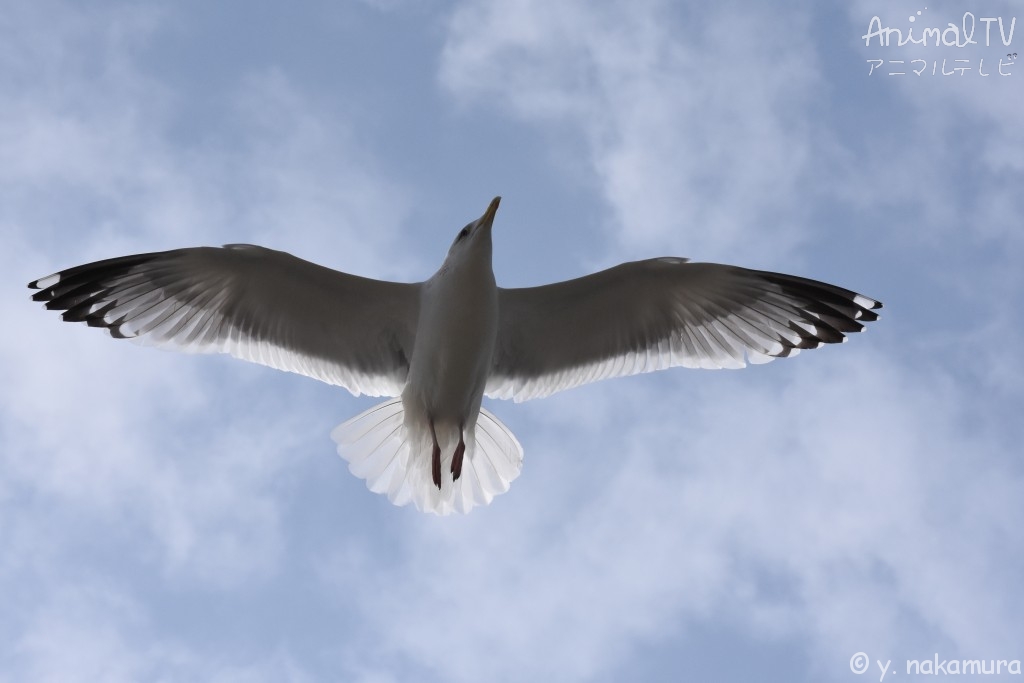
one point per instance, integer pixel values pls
(455, 341)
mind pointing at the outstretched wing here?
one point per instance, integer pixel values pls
(661, 313)
(257, 304)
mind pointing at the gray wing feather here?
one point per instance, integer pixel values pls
(256, 304)
(661, 313)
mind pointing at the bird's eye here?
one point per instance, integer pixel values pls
(462, 233)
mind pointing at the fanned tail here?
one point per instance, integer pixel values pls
(395, 460)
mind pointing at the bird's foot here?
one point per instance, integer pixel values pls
(435, 466)
(460, 450)
(435, 459)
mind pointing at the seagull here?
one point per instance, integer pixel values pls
(436, 348)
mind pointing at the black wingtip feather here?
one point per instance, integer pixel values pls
(869, 315)
(842, 310)
(76, 291)
(89, 274)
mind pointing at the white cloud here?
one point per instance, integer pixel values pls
(697, 119)
(181, 468)
(113, 144)
(958, 164)
(79, 635)
(833, 513)
(106, 433)
(90, 632)
(863, 499)
(113, 434)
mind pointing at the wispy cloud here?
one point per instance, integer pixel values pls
(92, 632)
(697, 120)
(110, 449)
(860, 498)
(120, 169)
(833, 513)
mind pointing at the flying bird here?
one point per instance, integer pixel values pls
(438, 347)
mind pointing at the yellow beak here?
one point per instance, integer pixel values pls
(488, 217)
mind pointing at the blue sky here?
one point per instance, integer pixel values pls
(176, 518)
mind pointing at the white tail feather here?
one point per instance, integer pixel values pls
(379, 448)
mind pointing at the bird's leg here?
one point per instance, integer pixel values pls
(460, 450)
(435, 458)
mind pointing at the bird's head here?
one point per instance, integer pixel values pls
(473, 243)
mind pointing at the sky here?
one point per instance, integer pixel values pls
(170, 517)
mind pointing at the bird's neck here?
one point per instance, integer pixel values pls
(473, 267)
